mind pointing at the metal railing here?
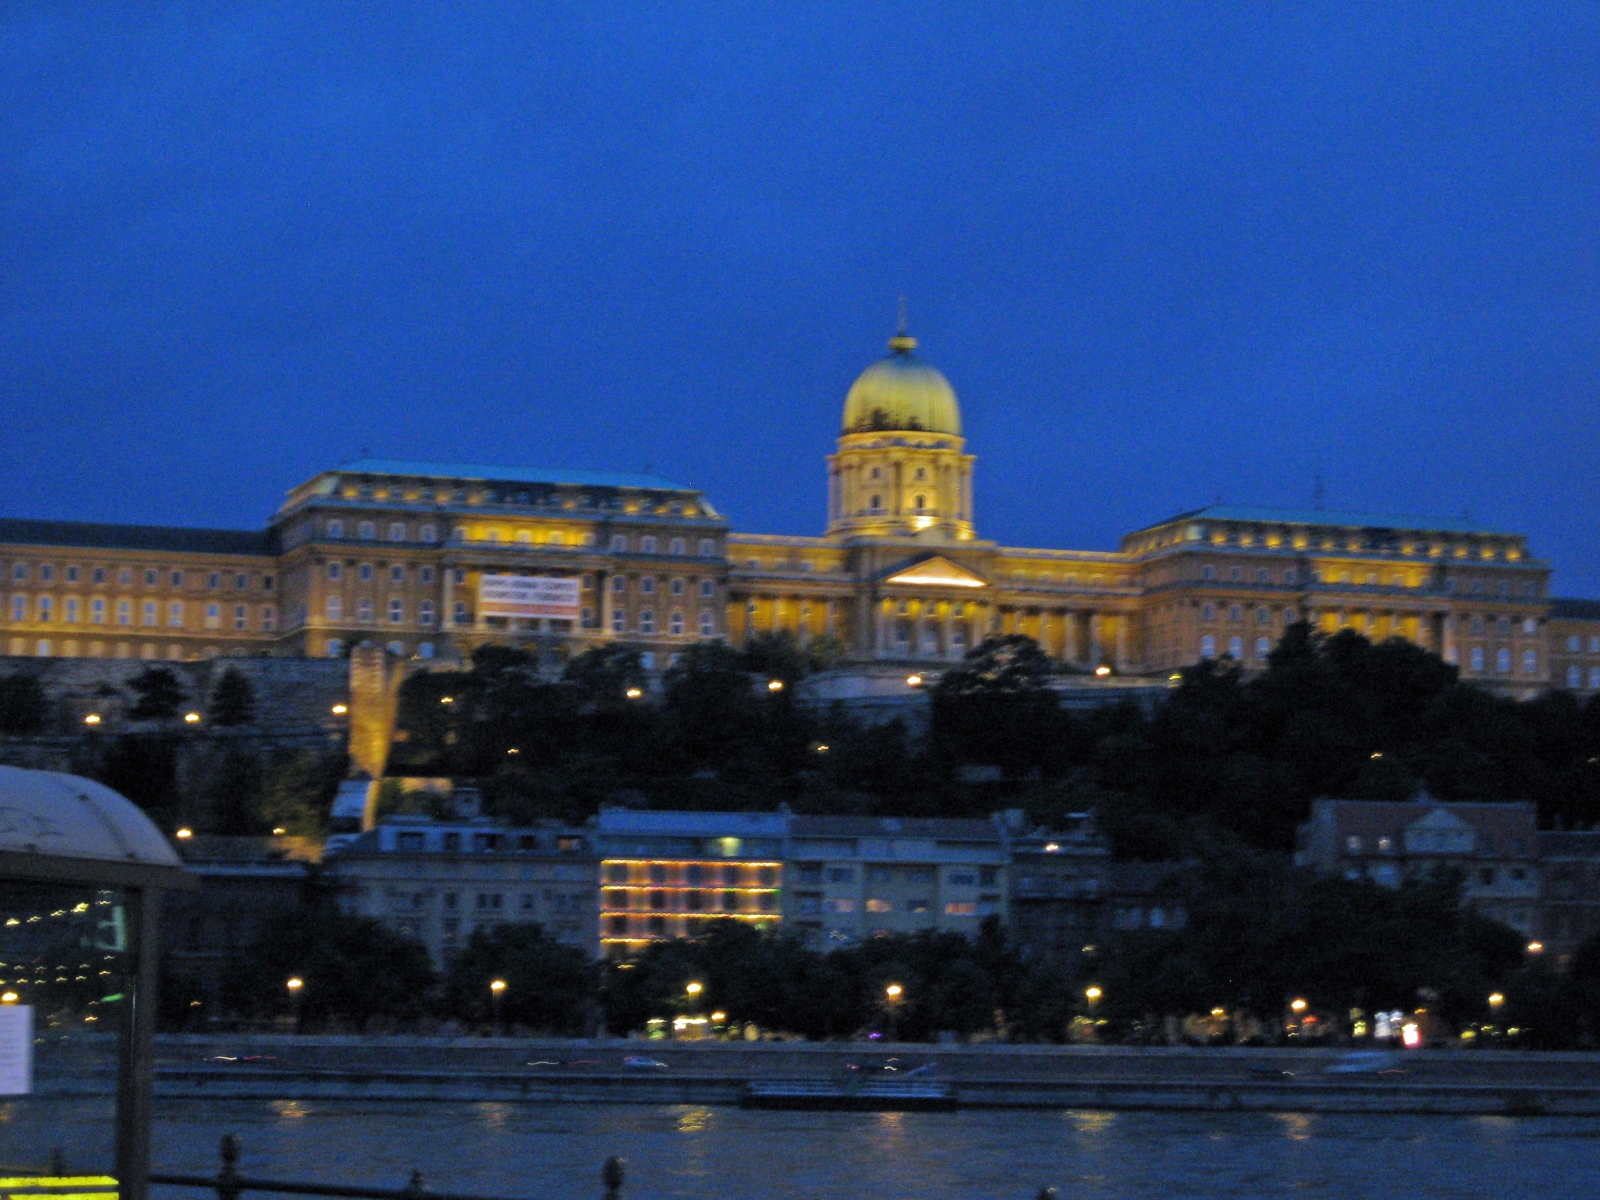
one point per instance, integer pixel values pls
(229, 1184)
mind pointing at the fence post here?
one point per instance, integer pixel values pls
(58, 1163)
(612, 1176)
(228, 1179)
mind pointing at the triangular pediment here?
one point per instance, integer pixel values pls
(1440, 818)
(937, 571)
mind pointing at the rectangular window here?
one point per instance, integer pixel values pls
(71, 605)
(838, 904)
(425, 613)
(213, 616)
(397, 612)
(214, 580)
(124, 612)
(269, 617)
(176, 579)
(147, 613)
(97, 611)
(426, 575)
(241, 617)
(44, 608)
(19, 608)
(961, 908)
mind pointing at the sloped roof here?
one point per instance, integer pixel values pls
(1580, 610)
(1506, 829)
(165, 538)
(494, 474)
(937, 828)
(636, 822)
(1329, 517)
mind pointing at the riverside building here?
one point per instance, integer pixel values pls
(432, 559)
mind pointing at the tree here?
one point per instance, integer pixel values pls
(159, 695)
(353, 969)
(605, 675)
(997, 707)
(549, 986)
(22, 704)
(233, 700)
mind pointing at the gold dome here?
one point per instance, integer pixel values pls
(901, 392)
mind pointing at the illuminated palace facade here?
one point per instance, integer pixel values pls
(432, 559)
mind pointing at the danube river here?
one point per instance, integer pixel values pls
(554, 1152)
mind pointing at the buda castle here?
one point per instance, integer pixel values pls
(433, 559)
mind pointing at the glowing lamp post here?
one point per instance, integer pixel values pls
(296, 987)
(893, 997)
(633, 693)
(497, 989)
(774, 685)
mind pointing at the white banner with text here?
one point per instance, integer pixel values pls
(527, 596)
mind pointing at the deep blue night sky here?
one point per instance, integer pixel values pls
(1164, 252)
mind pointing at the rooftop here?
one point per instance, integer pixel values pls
(164, 538)
(939, 829)
(691, 824)
(1581, 610)
(433, 470)
(1331, 518)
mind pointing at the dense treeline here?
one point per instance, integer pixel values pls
(1259, 934)
(1223, 755)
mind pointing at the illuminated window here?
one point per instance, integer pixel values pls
(524, 537)
(335, 608)
(213, 616)
(1476, 658)
(124, 612)
(71, 606)
(879, 906)
(147, 613)
(1235, 648)
(425, 650)
(1208, 647)
(961, 908)
(97, 611)
(43, 649)
(1263, 648)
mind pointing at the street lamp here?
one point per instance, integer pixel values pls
(1495, 1001)
(1092, 994)
(1535, 947)
(497, 989)
(633, 693)
(296, 986)
(694, 989)
(339, 710)
(774, 685)
(92, 719)
(191, 718)
(1297, 1006)
(913, 680)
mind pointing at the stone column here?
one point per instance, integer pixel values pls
(1122, 641)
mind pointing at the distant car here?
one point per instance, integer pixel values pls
(639, 1062)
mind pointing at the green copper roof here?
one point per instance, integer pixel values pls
(1329, 517)
(23, 532)
(435, 470)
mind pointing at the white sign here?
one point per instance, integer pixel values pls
(527, 596)
(16, 1049)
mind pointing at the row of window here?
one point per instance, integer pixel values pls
(71, 648)
(1289, 576)
(150, 576)
(367, 531)
(74, 610)
(694, 900)
(1575, 644)
(988, 906)
(1575, 678)
(524, 497)
(693, 874)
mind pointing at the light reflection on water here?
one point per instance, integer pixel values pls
(543, 1152)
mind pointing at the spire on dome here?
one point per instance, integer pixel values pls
(902, 342)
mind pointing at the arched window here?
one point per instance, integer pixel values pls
(919, 502)
(708, 547)
(397, 611)
(429, 533)
(707, 623)
(335, 608)
(678, 546)
(336, 528)
(364, 611)
(1476, 659)
(524, 537)
(1574, 677)
(647, 621)
(647, 545)
(368, 530)
(397, 531)
(677, 587)
(647, 585)
(676, 623)
(877, 504)
(1235, 648)
(1208, 647)
(425, 613)
(1263, 647)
